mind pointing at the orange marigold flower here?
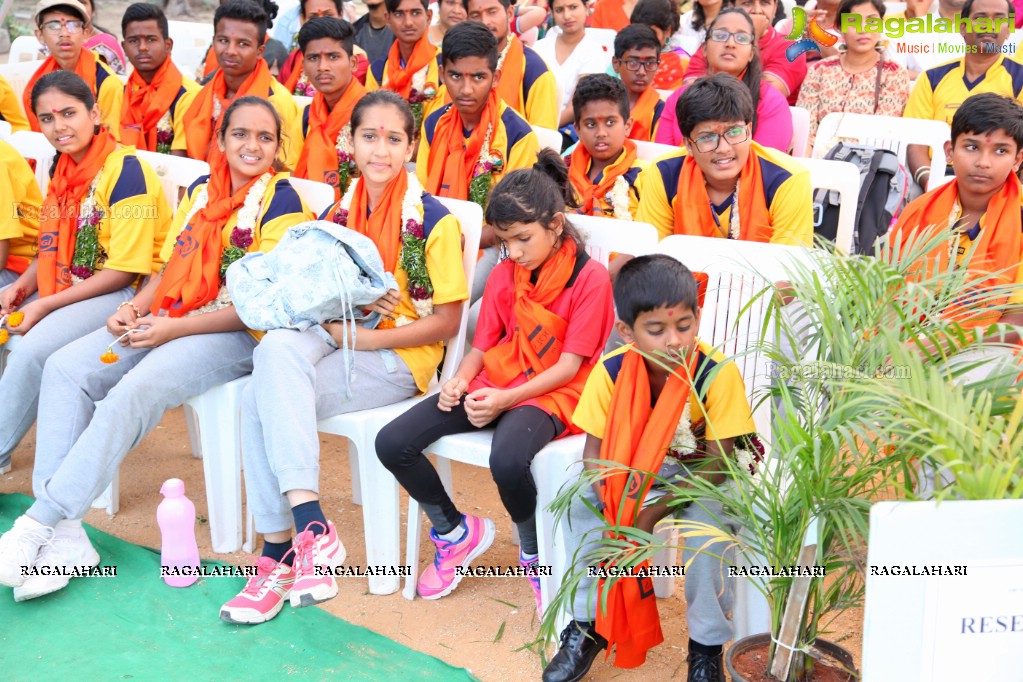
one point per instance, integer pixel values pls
(386, 323)
(16, 318)
(110, 357)
(3, 336)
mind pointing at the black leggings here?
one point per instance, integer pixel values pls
(519, 434)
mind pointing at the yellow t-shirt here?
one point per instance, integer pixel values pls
(786, 186)
(10, 107)
(179, 106)
(20, 200)
(603, 207)
(109, 96)
(966, 243)
(376, 74)
(718, 399)
(940, 91)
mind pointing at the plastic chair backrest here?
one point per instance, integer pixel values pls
(189, 58)
(191, 34)
(651, 151)
(605, 236)
(318, 196)
(302, 101)
(470, 218)
(175, 172)
(549, 139)
(35, 146)
(844, 178)
(18, 75)
(24, 49)
(800, 130)
(5, 130)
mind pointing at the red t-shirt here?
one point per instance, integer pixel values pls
(586, 303)
(772, 57)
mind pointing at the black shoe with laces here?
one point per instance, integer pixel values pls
(705, 667)
(580, 644)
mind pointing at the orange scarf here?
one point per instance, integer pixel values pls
(146, 103)
(512, 70)
(319, 153)
(539, 336)
(291, 82)
(998, 245)
(643, 116)
(58, 223)
(590, 195)
(398, 78)
(85, 68)
(692, 204)
(383, 225)
(209, 64)
(192, 276)
(609, 14)
(199, 122)
(453, 158)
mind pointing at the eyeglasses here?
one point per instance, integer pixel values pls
(710, 141)
(71, 26)
(720, 35)
(647, 65)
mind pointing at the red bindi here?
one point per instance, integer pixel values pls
(671, 313)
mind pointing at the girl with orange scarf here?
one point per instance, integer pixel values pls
(327, 371)
(176, 338)
(545, 317)
(103, 213)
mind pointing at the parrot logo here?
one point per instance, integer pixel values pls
(815, 35)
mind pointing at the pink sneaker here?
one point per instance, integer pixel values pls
(441, 577)
(325, 551)
(264, 594)
(532, 567)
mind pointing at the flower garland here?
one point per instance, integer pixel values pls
(420, 93)
(504, 53)
(88, 252)
(618, 198)
(487, 164)
(164, 134)
(413, 247)
(748, 450)
(304, 88)
(345, 158)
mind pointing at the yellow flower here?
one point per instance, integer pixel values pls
(3, 336)
(14, 319)
(110, 357)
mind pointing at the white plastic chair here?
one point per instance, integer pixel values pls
(800, 130)
(651, 151)
(557, 463)
(24, 49)
(188, 58)
(35, 146)
(302, 101)
(665, 94)
(175, 172)
(888, 132)
(5, 130)
(318, 196)
(549, 139)
(18, 75)
(844, 178)
(190, 33)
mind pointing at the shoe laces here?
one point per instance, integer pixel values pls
(571, 634)
(265, 566)
(42, 541)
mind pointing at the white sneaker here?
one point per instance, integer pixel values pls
(70, 547)
(19, 548)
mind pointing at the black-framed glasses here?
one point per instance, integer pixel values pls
(708, 142)
(721, 35)
(73, 26)
(648, 65)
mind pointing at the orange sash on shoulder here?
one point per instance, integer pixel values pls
(540, 334)
(297, 69)
(998, 246)
(199, 124)
(643, 116)
(58, 221)
(192, 276)
(146, 103)
(512, 70)
(85, 68)
(319, 153)
(692, 204)
(591, 195)
(383, 225)
(453, 158)
(399, 79)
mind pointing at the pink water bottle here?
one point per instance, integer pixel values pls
(179, 553)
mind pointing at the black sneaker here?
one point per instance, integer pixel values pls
(580, 644)
(705, 668)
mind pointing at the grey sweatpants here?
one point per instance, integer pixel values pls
(19, 385)
(92, 414)
(297, 380)
(709, 592)
(7, 277)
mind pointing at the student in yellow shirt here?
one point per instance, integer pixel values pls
(155, 90)
(10, 108)
(102, 214)
(177, 340)
(279, 438)
(637, 55)
(724, 184)
(19, 222)
(62, 26)
(238, 43)
(526, 84)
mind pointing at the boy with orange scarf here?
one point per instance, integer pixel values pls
(637, 55)
(451, 164)
(155, 90)
(238, 41)
(62, 25)
(723, 184)
(328, 60)
(632, 409)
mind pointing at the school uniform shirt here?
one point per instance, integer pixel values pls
(109, 95)
(652, 124)
(603, 207)
(10, 108)
(966, 244)
(20, 200)
(539, 94)
(786, 186)
(179, 106)
(940, 91)
(586, 303)
(514, 140)
(377, 69)
(447, 276)
(717, 401)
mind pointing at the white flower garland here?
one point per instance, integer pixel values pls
(247, 216)
(87, 209)
(419, 79)
(684, 443)
(504, 52)
(619, 199)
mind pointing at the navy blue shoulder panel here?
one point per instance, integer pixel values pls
(774, 176)
(704, 373)
(658, 110)
(631, 175)
(305, 120)
(534, 68)
(613, 365)
(285, 201)
(377, 68)
(201, 180)
(938, 73)
(131, 182)
(1015, 70)
(671, 171)
(433, 213)
(431, 122)
(515, 127)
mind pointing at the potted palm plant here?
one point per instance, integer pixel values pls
(872, 339)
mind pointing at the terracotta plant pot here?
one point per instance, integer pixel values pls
(833, 662)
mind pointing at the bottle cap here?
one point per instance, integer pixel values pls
(173, 487)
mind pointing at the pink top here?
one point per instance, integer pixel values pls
(774, 121)
(772, 55)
